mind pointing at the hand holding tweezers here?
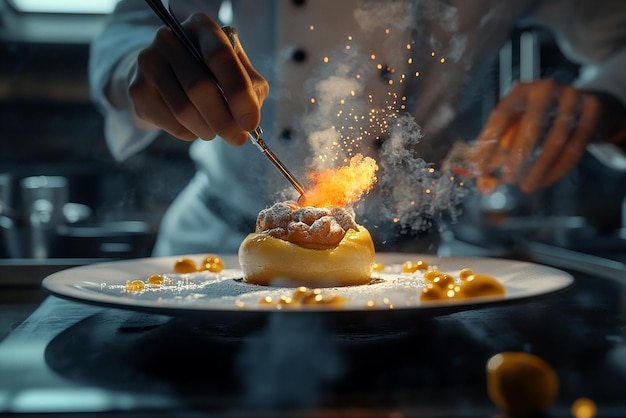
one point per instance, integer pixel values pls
(164, 12)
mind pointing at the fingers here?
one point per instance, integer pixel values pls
(197, 100)
(157, 95)
(491, 177)
(482, 153)
(565, 118)
(259, 84)
(577, 143)
(173, 91)
(229, 71)
(540, 100)
(555, 141)
(159, 114)
(492, 151)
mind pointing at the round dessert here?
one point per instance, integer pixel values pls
(307, 246)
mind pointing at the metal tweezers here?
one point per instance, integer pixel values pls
(164, 12)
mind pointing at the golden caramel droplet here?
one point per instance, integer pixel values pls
(304, 296)
(378, 266)
(465, 273)
(482, 285)
(309, 297)
(285, 300)
(330, 300)
(431, 293)
(584, 408)
(267, 300)
(454, 292)
(431, 275)
(442, 286)
(301, 293)
(135, 286)
(213, 263)
(443, 281)
(521, 384)
(185, 265)
(411, 267)
(156, 280)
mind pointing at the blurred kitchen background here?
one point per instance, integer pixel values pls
(49, 127)
(63, 196)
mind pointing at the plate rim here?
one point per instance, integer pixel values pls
(57, 285)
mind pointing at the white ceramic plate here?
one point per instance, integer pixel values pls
(204, 293)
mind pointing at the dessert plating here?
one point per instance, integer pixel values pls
(307, 246)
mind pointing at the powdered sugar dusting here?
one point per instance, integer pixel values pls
(226, 290)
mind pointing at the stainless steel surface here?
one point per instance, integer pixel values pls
(43, 199)
(575, 260)
(20, 287)
(164, 11)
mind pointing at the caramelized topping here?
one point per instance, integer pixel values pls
(309, 227)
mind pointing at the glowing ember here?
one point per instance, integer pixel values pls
(341, 186)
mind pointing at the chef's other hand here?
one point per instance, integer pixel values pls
(538, 133)
(172, 91)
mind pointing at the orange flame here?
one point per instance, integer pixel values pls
(340, 186)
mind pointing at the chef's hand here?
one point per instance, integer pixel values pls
(542, 117)
(172, 91)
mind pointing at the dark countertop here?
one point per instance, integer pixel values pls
(69, 357)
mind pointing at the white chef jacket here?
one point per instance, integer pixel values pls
(301, 47)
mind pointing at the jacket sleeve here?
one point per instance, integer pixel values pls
(592, 34)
